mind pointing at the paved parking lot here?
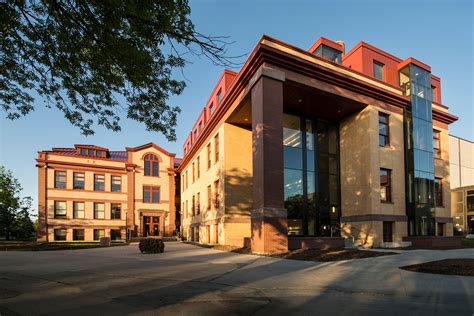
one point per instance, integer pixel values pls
(193, 280)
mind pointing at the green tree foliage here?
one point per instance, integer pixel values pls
(84, 57)
(14, 211)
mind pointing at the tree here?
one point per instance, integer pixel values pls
(84, 56)
(14, 210)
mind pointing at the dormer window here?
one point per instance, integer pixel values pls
(219, 96)
(329, 53)
(83, 151)
(211, 108)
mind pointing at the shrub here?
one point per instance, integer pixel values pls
(151, 245)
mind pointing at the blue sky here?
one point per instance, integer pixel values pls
(439, 33)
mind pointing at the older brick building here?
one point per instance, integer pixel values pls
(87, 192)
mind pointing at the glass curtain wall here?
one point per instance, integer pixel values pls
(311, 176)
(419, 151)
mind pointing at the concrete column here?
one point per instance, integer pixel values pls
(269, 221)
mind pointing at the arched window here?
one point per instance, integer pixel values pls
(151, 165)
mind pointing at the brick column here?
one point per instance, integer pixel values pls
(269, 221)
(42, 231)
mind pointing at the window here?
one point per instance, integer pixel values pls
(200, 127)
(99, 182)
(384, 131)
(91, 152)
(78, 209)
(78, 234)
(78, 182)
(434, 94)
(438, 191)
(99, 210)
(385, 185)
(216, 194)
(183, 183)
(83, 151)
(388, 231)
(151, 165)
(378, 70)
(60, 234)
(187, 179)
(194, 171)
(193, 206)
(98, 233)
(115, 234)
(440, 229)
(99, 153)
(437, 143)
(209, 197)
(216, 147)
(60, 179)
(198, 203)
(219, 96)
(60, 209)
(115, 211)
(116, 183)
(209, 158)
(151, 194)
(211, 108)
(186, 210)
(328, 53)
(198, 167)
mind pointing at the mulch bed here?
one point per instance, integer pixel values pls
(318, 255)
(464, 267)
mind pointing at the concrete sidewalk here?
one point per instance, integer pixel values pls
(188, 279)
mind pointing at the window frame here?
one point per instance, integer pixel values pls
(209, 156)
(198, 167)
(98, 211)
(96, 176)
(74, 235)
(56, 208)
(198, 203)
(437, 139)
(382, 66)
(112, 183)
(56, 182)
(152, 189)
(216, 194)
(74, 177)
(100, 235)
(387, 124)
(209, 197)
(388, 186)
(113, 212)
(74, 203)
(439, 201)
(216, 148)
(63, 237)
(152, 171)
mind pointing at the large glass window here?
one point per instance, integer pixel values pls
(384, 131)
(311, 176)
(328, 53)
(98, 233)
(78, 234)
(115, 234)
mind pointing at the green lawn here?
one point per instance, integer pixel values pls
(14, 245)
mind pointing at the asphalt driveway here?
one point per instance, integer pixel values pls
(192, 280)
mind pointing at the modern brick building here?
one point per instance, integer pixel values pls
(461, 152)
(303, 147)
(87, 192)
